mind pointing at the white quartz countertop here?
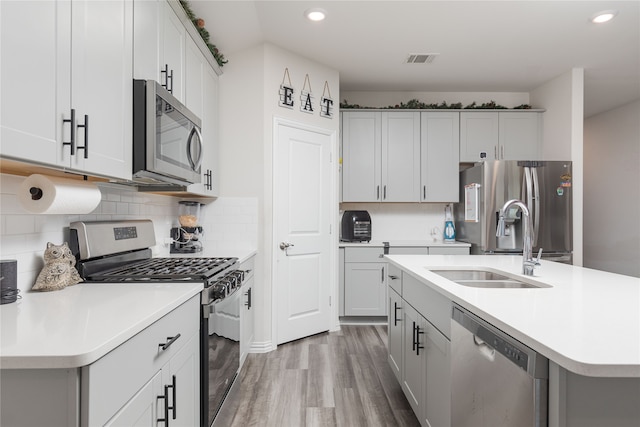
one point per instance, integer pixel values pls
(75, 326)
(405, 243)
(588, 321)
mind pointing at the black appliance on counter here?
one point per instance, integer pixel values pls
(356, 226)
(119, 251)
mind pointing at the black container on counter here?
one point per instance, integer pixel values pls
(8, 281)
(356, 226)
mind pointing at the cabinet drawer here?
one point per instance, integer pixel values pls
(112, 380)
(374, 254)
(429, 303)
(439, 250)
(394, 278)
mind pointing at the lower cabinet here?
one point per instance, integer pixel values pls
(246, 311)
(365, 294)
(150, 380)
(419, 355)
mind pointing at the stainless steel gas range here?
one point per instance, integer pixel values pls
(120, 251)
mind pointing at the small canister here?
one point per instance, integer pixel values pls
(8, 281)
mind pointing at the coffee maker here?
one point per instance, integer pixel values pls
(186, 238)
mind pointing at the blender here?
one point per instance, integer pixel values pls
(186, 237)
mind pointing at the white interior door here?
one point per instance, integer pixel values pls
(302, 226)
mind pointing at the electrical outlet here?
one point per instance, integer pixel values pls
(167, 241)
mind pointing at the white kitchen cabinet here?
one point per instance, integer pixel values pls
(440, 155)
(512, 135)
(247, 310)
(400, 157)
(365, 294)
(361, 156)
(419, 348)
(125, 387)
(395, 331)
(381, 156)
(80, 76)
(414, 359)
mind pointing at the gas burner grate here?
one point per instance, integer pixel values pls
(168, 269)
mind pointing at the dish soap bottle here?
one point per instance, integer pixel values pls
(449, 228)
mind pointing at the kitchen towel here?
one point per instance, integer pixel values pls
(43, 194)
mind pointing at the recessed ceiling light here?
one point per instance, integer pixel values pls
(315, 14)
(604, 16)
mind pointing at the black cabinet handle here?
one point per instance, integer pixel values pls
(166, 76)
(392, 277)
(170, 341)
(418, 346)
(248, 303)
(165, 397)
(413, 337)
(424, 192)
(378, 192)
(395, 314)
(384, 193)
(382, 278)
(85, 147)
(173, 394)
(72, 142)
(170, 77)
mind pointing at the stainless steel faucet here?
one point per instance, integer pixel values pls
(528, 262)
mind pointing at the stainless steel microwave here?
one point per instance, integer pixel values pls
(167, 142)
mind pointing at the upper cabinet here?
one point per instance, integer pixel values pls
(159, 45)
(439, 154)
(381, 156)
(66, 85)
(509, 135)
(399, 156)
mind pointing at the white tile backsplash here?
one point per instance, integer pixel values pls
(230, 224)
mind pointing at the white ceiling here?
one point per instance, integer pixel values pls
(483, 46)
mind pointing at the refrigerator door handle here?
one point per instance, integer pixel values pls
(536, 207)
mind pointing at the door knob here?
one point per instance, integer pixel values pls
(285, 245)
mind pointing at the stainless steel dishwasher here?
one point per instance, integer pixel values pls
(496, 381)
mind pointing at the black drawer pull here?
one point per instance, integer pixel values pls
(72, 122)
(395, 313)
(85, 147)
(170, 341)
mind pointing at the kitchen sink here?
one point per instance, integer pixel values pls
(487, 279)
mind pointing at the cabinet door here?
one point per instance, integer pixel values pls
(35, 74)
(102, 87)
(438, 378)
(361, 156)
(173, 52)
(246, 320)
(440, 156)
(478, 136)
(520, 135)
(395, 332)
(414, 359)
(142, 409)
(147, 24)
(365, 289)
(400, 157)
(183, 377)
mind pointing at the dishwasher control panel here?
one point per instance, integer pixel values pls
(509, 351)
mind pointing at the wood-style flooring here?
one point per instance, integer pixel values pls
(331, 379)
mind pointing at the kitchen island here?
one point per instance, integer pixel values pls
(586, 322)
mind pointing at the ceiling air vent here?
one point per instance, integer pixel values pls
(421, 58)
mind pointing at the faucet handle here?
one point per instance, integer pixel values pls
(539, 257)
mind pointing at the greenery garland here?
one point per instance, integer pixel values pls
(199, 24)
(414, 104)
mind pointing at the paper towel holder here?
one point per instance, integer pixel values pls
(36, 193)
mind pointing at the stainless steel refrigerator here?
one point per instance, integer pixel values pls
(545, 187)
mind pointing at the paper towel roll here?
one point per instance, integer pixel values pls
(52, 195)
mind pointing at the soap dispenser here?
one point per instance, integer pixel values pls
(449, 227)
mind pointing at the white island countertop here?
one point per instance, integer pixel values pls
(76, 326)
(587, 321)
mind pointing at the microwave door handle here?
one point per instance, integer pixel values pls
(195, 163)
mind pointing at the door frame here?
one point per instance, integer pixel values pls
(334, 321)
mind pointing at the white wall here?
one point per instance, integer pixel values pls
(230, 224)
(249, 94)
(612, 190)
(563, 99)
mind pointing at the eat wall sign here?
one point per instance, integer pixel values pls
(307, 105)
